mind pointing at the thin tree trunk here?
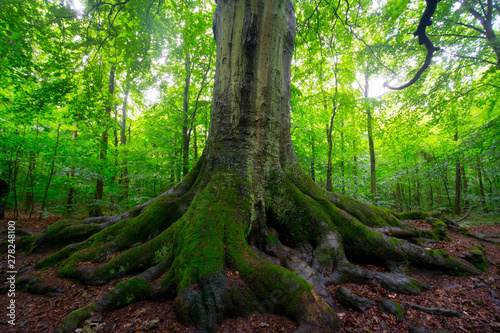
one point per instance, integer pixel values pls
(51, 173)
(193, 117)
(355, 159)
(15, 172)
(329, 162)
(185, 122)
(71, 202)
(195, 144)
(487, 21)
(409, 190)
(431, 196)
(369, 119)
(457, 181)
(481, 187)
(313, 159)
(417, 194)
(329, 130)
(445, 181)
(439, 198)
(342, 169)
(123, 141)
(464, 186)
(99, 188)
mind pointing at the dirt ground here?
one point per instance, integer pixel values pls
(472, 297)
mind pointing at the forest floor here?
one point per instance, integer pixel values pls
(471, 296)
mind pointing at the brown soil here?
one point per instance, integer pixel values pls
(471, 296)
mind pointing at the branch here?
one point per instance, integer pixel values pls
(465, 216)
(470, 26)
(471, 58)
(425, 21)
(465, 93)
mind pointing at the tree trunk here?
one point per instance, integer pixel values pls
(195, 144)
(185, 123)
(30, 194)
(123, 141)
(99, 188)
(431, 196)
(329, 166)
(342, 168)
(71, 201)
(417, 194)
(246, 230)
(51, 173)
(445, 183)
(458, 182)
(481, 187)
(313, 159)
(487, 22)
(369, 120)
(464, 186)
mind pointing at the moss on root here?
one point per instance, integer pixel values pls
(72, 321)
(413, 215)
(440, 229)
(195, 238)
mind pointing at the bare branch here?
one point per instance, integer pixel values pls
(425, 21)
(471, 58)
(468, 26)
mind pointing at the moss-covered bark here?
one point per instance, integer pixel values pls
(246, 208)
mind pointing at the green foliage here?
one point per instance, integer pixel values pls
(56, 61)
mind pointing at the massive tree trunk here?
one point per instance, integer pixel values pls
(246, 230)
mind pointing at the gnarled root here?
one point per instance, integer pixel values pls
(219, 252)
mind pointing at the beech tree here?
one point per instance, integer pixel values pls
(246, 210)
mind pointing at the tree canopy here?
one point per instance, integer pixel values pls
(55, 74)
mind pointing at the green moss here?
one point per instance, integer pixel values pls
(276, 288)
(480, 261)
(414, 285)
(413, 215)
(297, 217)
(128, 291)
(76, 318)
(199, 248)
(394, 308)
(440, 229)
(271, 240)
(326, 257)
(161, 254)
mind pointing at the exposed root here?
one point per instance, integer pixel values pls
(302, 240)
(353, 301)
(434, 311)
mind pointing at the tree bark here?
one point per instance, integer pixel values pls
(369, 120)
(99, 188)
(487, 21)
(185, 122)
(51, 173)
(458, 181)
(313, 159)
(481, 187)
(71, 200)
(123, 141)
(342, 167)
(464, 186)
(329, 131)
